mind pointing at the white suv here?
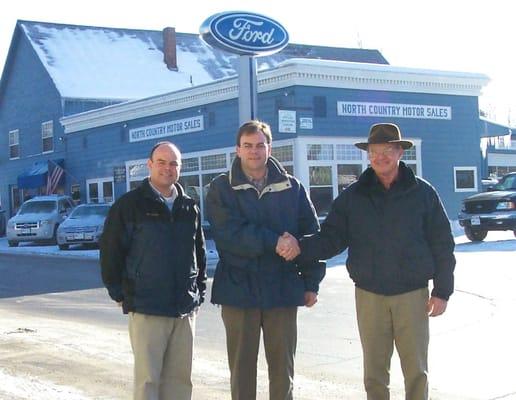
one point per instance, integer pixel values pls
(38, 219)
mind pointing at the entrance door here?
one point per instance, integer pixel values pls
(100, 190)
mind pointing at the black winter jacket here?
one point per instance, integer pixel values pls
(153, 259)
(246, 226)
(397, 239)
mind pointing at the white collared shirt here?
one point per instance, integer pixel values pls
(169, 201)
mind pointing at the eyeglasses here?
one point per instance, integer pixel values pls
(387, 152)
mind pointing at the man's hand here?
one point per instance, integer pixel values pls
(436, 306)
(287, 247)
(310, 299)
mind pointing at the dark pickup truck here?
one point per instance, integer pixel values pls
(494, 210)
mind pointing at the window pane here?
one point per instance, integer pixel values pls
(347, 174)
(214, 161)
(190, 164)
(320, 176)
(465, 179)
(191, 186)
(348, 152)
(107, 188)
(283, 153)
(48, 144)
(413, 167)
(320, 151)
(14, 151)
(138, 171)
(409, 154)
(322, 198)
(94, 192)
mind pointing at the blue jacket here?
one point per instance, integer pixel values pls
(246, 226)
(153, 259)
(397, 239)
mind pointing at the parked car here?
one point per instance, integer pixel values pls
(38, 218)
(83, 226)
(494, 210)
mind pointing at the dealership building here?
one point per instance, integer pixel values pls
(319, 101)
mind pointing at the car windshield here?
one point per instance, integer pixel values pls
(87, 211)
(507, 183)
(38, 207)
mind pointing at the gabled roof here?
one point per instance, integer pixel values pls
(120, 64)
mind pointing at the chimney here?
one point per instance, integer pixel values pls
(169, 48)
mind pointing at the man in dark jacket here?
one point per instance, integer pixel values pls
(249, 210)
(398, 238)
(153, 261)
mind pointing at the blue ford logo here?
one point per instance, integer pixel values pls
(244, 33)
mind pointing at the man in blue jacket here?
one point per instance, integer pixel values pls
(248, 210)
(153, 262)
(398, 238)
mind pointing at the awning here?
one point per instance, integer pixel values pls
(35, 177)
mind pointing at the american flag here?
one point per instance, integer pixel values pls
(55, 172)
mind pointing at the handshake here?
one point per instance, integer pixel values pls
(287, 247)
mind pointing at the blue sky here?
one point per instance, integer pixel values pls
(459, 35)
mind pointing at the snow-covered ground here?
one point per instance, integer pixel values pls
(77, 251)
(52, 355)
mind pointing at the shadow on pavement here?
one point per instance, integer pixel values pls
(25, 275)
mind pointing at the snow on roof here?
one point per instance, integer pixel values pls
(122, 64)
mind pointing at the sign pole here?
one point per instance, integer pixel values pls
(247, 89)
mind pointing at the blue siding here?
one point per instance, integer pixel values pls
(29, 98)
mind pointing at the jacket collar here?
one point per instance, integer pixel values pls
(149, 192)
(277, 178)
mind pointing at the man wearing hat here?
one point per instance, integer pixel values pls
(398, 238)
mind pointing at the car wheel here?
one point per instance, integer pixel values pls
(12, 243)
(514, 232)
(64, 246)
(475, 235)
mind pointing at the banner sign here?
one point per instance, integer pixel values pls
(244, 33)
(393, 110)
(177, 127)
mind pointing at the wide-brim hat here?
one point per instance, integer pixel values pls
(385, 133)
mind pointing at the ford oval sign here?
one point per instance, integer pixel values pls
(244, 33)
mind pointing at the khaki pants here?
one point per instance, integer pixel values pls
(163, 349)
(401, 320)
(243, 328)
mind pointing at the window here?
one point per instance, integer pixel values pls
(213, 161)
(465, 179)
(321, 188)
(14, 144)
(47, 136)
(190, 184)
(347, 174)
(320, 151)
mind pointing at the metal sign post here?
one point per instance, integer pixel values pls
(247, 89)
(248, 35)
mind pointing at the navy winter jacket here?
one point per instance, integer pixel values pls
(246, 226)
(153, 259)
(397, 239)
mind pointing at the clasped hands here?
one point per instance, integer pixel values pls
(288, 247)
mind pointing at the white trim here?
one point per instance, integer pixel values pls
(475, 179)
(319, 73)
